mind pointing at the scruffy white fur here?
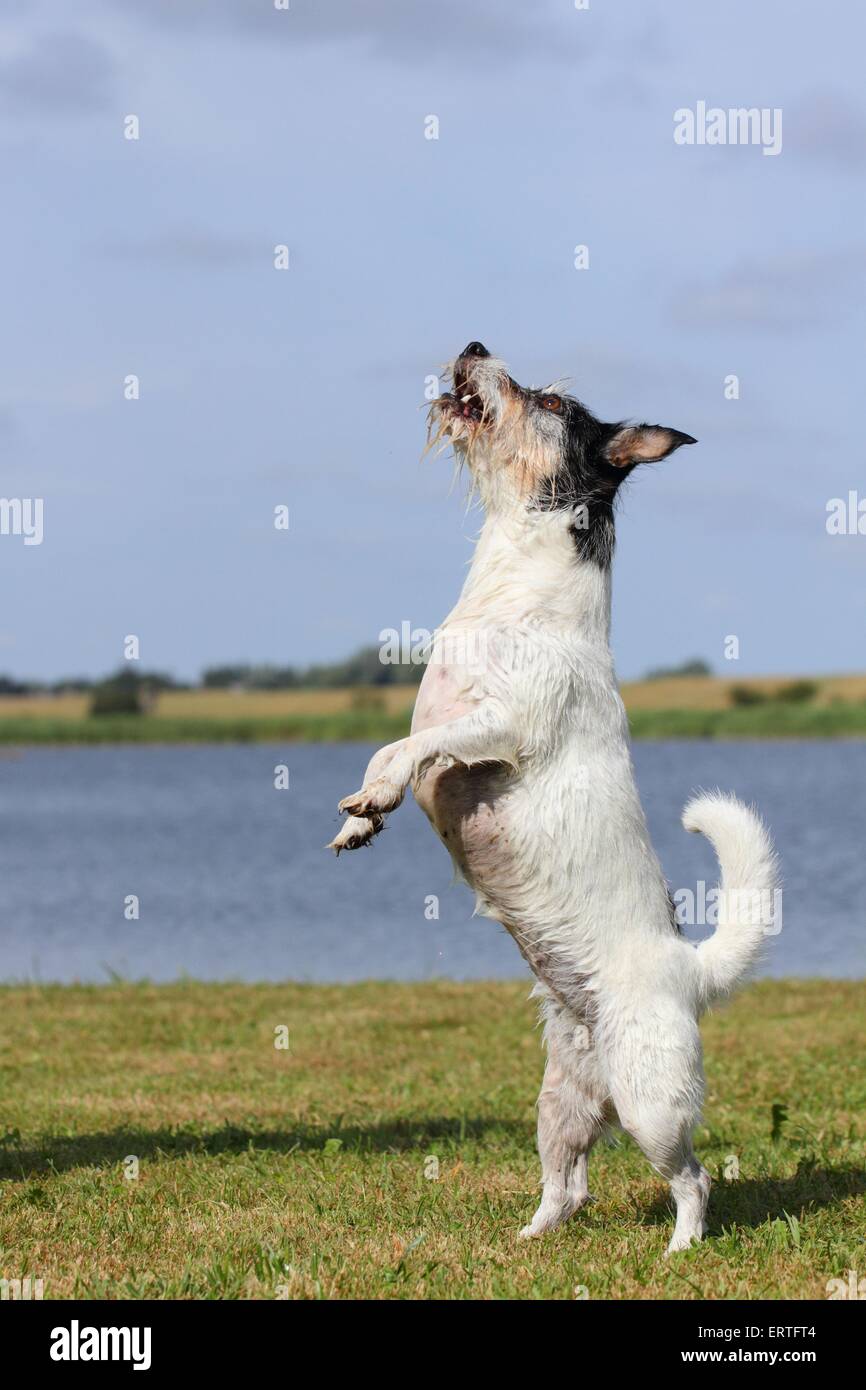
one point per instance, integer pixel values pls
(524, 768)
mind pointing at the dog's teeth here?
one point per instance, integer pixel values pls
(464, 399)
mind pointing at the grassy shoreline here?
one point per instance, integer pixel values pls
(681, 707)
(350, 726)
(306, 1173)
(771, 720)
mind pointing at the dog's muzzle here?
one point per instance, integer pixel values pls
(463, 400)
(474, 397)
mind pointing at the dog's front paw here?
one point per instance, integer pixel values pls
(379, 797)
(355, 832)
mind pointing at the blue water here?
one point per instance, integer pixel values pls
(233, 882)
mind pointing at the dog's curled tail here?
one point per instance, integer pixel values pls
(748, 892)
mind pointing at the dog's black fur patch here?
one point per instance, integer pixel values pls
(587, 483)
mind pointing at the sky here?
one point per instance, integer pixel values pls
(305, 388)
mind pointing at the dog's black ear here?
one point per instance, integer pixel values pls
(631, 444)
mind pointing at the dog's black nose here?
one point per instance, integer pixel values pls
(475, 350)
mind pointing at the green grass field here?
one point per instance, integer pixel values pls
(770, 720)
(310, 1173)
(338, 727)
(774, 719)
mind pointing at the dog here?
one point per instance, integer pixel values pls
(519, 756)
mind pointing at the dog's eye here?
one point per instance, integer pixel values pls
(552, 402)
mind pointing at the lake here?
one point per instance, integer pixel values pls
(233, 881)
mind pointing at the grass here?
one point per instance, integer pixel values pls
(773, 719)
(308, 1173)
(349, 726)
(683, 707)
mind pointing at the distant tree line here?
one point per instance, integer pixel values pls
(81, 685)
(365, 667)
(132, 691)
(694, 667)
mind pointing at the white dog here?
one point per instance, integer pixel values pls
(519, 755)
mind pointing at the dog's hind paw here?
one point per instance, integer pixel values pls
(681, 1243)
(529, 1232)
(544, 1220)
(552, 1214)
(355, 832)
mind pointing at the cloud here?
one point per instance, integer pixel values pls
(778, 294)
(57, 73)
(189, 247)
(830, 128)
(8, 424)
(414, 30)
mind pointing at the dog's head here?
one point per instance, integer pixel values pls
(541, 449)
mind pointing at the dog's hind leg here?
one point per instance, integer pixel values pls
(659, 1106)
(568, 1125)
(570, 1119)
(690, 1187)
(689, 1182)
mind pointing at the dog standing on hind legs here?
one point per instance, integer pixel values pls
(519, 756)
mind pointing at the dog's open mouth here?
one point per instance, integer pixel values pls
(463, 401)
(466, 399)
